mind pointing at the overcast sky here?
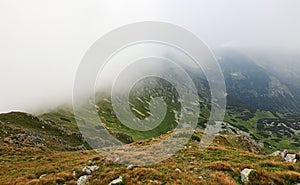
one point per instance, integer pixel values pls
(42, 42)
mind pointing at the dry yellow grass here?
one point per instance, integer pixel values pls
(221, 163)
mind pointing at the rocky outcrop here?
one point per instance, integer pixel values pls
(87, 172)
(60, 141)
(81, 147)
(245, 175)
(279, 153)
(117, 181)
(89, 169)
(255, 145)
(288, 157)
(26, 137)
(82, 180)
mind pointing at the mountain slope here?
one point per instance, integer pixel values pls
(255, 86)
(220, 163)
(24, 129)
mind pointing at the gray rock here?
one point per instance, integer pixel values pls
(290, 158)
(245, 175)
(117, 181)
(178, 170)
(81, 147)
(117, 160)
(276, 153)
(8, 140)
(42, 176)
(82, 180)
(130, 167)
(287, 157)
(29, 137)
(89, 169)
(283, 153)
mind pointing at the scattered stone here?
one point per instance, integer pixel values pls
(125, 137)
(117, 181)
(29, 137)
(82, 180)
(290, 158)
(81, 147)
(283, 153)
(62, 142)
(245, 175)
(8, 140)
(130, 167)
(117, 160)
(89, 169)
(200, 177)
(276, 153)
(287, 157)
(178, 170)
(42, 176)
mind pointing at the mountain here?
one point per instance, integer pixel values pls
(262, 100)
(254, 85)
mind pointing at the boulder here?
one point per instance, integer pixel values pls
(286, 156)
(276, 153)
(81, 147)
(89, 169)
(178, 170)
(130, 167)
(117, 181)
(8, 140)
(279, 153)
(82, 180)
(283, 153)
(42, 176)
(290, 158)
(245, 175)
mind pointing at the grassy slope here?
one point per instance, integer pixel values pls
(17, 123)
(244, 120)
(247, 121)
(220, 163)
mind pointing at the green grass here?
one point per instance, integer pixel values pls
(17, 122)
(220, 163)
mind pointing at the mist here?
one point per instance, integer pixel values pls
(43, 42)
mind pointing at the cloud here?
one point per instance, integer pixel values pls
(42, 42)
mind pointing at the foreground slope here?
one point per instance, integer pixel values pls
(24, 162)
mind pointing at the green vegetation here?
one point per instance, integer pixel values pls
(220, 163)
(42, 132)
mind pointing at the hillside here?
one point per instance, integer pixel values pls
(43, 157)
(256, 86)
